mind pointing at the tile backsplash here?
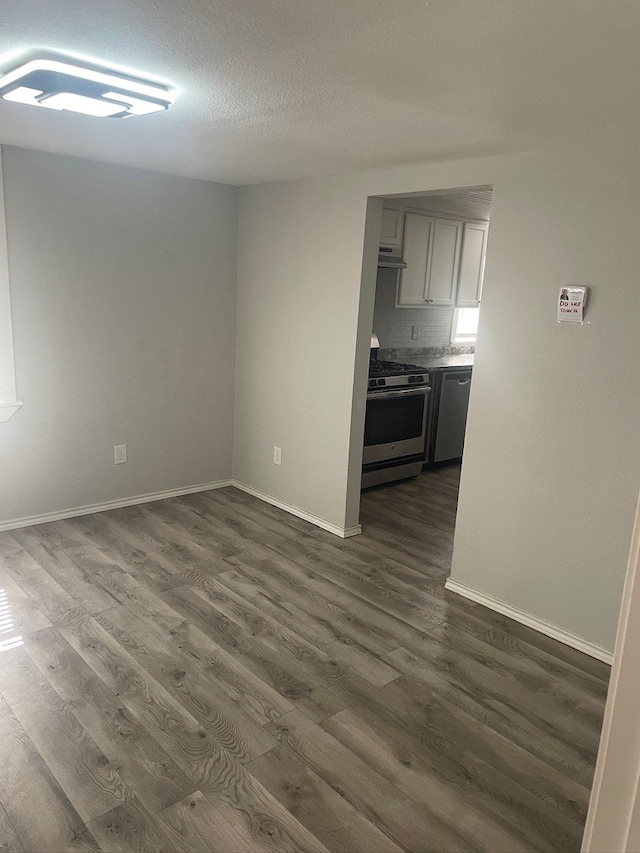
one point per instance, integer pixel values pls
(394, 325)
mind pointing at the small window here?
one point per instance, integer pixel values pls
(8, 403)
(465, 325)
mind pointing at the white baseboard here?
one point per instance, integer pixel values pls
(15, 523)
(530, 621)
(74, 512)
(342, 532)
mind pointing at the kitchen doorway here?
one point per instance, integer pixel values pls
(429, 283)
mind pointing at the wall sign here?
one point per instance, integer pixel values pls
(571, 304)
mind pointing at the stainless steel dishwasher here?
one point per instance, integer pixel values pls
(452, 414)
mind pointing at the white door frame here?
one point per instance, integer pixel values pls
(613, 821)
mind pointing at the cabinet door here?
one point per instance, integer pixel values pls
(474, 247)
(445, 257)
(412, 283)
(391, 230)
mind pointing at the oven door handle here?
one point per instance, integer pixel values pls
(402, 392)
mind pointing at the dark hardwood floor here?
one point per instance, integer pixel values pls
(208, 673)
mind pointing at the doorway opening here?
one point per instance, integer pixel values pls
(428, 293)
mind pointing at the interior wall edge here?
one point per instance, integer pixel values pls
(361, 355)
(531, 621)
(613, 819)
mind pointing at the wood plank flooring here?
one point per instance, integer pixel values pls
(208, 673)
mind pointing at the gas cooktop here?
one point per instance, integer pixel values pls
(392, 368)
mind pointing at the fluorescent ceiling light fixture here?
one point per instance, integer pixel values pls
(65, 83)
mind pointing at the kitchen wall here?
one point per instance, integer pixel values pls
(394, 326)
(123, 296)
(552, 462)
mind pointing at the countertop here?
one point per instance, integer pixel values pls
(429, 358)
(442, 362)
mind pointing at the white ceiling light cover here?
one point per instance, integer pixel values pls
(63, 83)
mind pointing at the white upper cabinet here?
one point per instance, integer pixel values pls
(412, 283)
(445, 261)
(432, 254)
(391, 231)
(474, 247)
(442, 276)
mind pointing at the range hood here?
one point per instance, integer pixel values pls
(388, 260)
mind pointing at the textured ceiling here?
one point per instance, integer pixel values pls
(274, 89)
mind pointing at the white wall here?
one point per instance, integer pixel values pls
(552, 461)
(296, 341)
(123, 296)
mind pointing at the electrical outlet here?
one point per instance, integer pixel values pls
(414, 333)
(120, 453)
(277, 455)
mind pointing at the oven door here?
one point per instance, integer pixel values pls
(395, 424)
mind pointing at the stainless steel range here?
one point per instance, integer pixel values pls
(395, 421)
